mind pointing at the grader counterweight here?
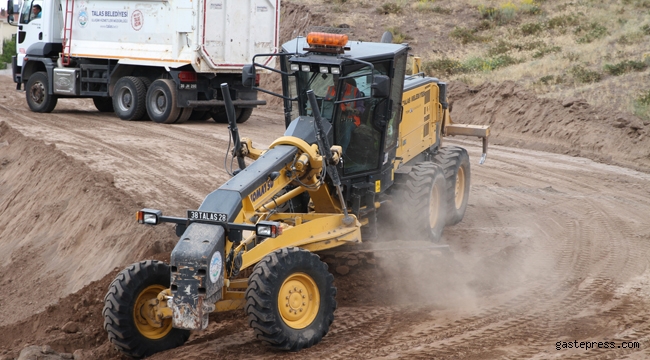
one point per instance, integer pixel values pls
(300, 196)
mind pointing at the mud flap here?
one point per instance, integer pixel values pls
(197, 268)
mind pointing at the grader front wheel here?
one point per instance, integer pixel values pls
(290, 299)
(126, 317)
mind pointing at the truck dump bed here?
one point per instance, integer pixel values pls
(211, 35)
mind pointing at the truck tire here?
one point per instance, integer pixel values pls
(242, 114)
(454, 161)
(127, 330)
(129, 98)
(200, 115)
(38, 98)
(419, 199)
(245, 115)
(185, 114)
(103, 103)
(290, 300)
(147, 84)
(161, 102)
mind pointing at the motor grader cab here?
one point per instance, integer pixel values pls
(351, 150)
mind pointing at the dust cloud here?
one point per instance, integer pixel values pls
(445, 275)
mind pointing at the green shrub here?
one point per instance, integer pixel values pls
(504, 14)
(530, 45)
(501, 47)
(550, 80)
(590, 32)
(631, 38)
(563, 21)
(428, 7)
(530, 7)
(625, 67)
(484, 25)
(584, 75)
(466, 36)
(489, 64)
(545, 51)
(646, 29)
(8, 50)
(444, 66)
(531, 28)
(390, 8)
(398, 36)
(642, 106)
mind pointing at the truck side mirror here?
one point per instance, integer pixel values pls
(380, 86)
(10, 12)
(248, 75)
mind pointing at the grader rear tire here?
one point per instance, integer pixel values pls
(454, 161)
(290, 299)
(128, 293)
(420, 197)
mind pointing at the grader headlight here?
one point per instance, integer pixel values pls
(148, 216)
(269, 229)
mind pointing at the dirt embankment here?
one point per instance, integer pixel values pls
(520, 119)
(62, 228)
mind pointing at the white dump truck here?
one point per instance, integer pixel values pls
(161, 58)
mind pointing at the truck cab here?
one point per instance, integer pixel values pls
(39, 32)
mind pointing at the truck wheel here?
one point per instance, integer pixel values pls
(129, 98)
(127, 328)
(290, 299)
(185, 114)
(36, 91)
(454, 161)
(103, 104)
(421, 198)
(161, 102)
(200, 115)
(242, 114)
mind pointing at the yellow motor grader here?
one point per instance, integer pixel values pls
(347, 156)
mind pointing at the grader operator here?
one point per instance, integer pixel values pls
(347, 155)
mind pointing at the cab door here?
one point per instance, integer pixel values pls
(30, 28)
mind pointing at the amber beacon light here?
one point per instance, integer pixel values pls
(325, 39)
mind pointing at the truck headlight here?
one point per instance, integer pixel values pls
(295, 67)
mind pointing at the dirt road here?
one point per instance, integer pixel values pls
(553, 249)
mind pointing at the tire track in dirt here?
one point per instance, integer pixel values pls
(575, 258)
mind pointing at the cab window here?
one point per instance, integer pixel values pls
(31, 11)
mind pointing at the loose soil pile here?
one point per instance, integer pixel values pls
(572, 126)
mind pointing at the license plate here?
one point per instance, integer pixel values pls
(206, 216)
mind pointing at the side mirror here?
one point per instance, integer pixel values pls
(381, 86)
(10, 12)
(248, 75)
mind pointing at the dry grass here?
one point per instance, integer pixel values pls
(556, 48)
